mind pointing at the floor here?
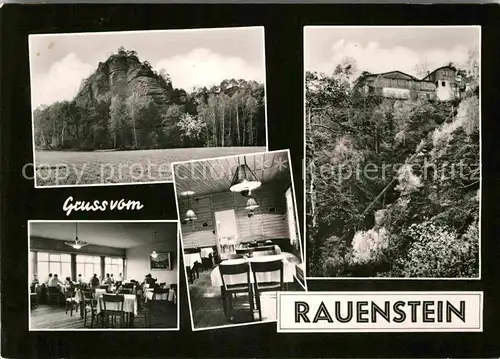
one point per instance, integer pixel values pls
(164, 315)
(206, 304)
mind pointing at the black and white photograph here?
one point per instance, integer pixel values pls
(392, 152)
(103, 275)
(240, 237)
(120, 107)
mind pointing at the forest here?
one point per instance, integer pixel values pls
(113, 114)
(392, 186)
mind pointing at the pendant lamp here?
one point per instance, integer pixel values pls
(190, 215)
(244, 180)
(251, 204)
(76, 244)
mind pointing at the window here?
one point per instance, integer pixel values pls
(87, 266)
(54, 263)
(290, 214)
(113, 266)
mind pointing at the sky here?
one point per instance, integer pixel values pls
(381, 49)
(205, 57)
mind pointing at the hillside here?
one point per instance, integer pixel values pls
(392, 185)
(126, 104)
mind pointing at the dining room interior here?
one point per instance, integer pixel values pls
(86, 275)
(240, 237)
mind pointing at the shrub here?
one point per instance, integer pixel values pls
(368, 245)
(437, 251)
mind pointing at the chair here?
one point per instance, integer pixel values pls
(112, 306)
(53, 293)
(233, 289)
(88, 304)
(70, 300)
(145, 309)
(123, 290)
(268, 286)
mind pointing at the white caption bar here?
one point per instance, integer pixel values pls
(380, 312)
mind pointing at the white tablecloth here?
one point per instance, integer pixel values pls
(129, 304)
(288, 271)
(170, 296)
(98, 293)
(205, 252)
(191, 258)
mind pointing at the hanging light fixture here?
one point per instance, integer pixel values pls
(251, 204)
(190, 215)
(76, 244)
(244, 180)
(154, 255)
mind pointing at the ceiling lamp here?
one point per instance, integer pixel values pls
(190, 215)
(244, 180)
(154, 255)
(77, 244)
(251, 204)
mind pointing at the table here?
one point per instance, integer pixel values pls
(98, 294)
(169, 296)
(191, 258)
(206, 252)
(288, 270)
(129, 304)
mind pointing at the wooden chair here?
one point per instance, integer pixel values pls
(112, 306)
(233, 289)
(88, 305)
(145, 309)
(70, 300)
(264, 267)
(53, 293)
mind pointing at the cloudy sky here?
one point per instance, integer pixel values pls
(379, 49)
(59, 63)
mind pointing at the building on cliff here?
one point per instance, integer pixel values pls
(442, 84)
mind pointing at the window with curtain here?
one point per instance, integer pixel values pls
(32, 264)
(87, 266)
(113, 266)
(290, 214)
(54, 263)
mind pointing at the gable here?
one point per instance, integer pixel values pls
(397, 75)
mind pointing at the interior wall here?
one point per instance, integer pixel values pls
(138, 264)
(264, 224)
(53, 245)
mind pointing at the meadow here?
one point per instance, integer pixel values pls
(63, 168)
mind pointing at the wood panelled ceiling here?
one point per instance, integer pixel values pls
(206, 177)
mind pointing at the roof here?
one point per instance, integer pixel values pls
(439, 68)
(390, 72)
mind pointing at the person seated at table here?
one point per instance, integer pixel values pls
(34, 283)
(107, 280)
(94, 281)
(119, 278)
(68, 283)
(46, 282)
(112, 278)
(54, 282)
(148, 281)
(79, 280)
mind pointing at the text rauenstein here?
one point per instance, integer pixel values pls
(70, 205)
(379, 311)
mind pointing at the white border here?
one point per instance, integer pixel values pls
(193, 328)
(304, 169)
(387, 330)
(134, 32)
(177, 328)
